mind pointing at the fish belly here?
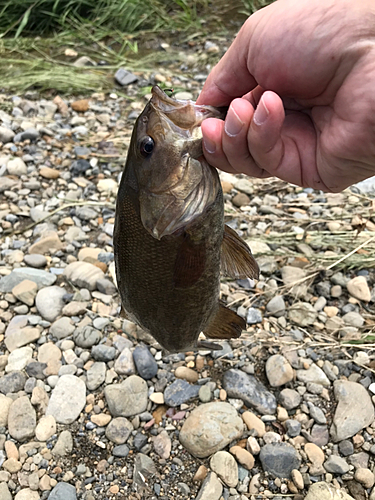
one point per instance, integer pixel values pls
(146, 274)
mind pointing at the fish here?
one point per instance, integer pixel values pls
(170, 240)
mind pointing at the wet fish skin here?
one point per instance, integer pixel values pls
(169, 230)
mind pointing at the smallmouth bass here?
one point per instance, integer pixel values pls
(170, 240)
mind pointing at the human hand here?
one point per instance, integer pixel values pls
(300, 81)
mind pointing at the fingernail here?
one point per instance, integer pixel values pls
(233, 124)
(209, 145)
(261, 113)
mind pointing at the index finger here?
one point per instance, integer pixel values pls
(230, 78)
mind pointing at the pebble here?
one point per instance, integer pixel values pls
(46, 428)
(5, 404)
(35, 260)
(96, 376)
(64, 444)
(28, 494)
(67, 400)
(49, 302)
(313, 374)
(103, 352)
(209, 428)
(254, 423)
(21, 419)
(83, 274)
(163, 445)
(365, 477)
(302, 313)
(211, 488)
(336, 465)
(326, 491)
(128, 398)
(244, 457)
(278, 370)
(276, 306)
(124, 364)
(180, 392)
(187, 374)
(289, 398)
(354, 411)
(118, 430)
(225, 466)
(86, 336)
(145, 363)
(253, 393)
(26, 292)
(63, 491)
(358, 288)
(279, 459)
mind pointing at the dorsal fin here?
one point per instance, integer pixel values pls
(237, 261)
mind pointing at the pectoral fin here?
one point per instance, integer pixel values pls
(225, 325)
(237, 261)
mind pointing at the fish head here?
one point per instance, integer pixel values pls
(175, 182)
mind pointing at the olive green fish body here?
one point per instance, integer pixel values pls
(154, 277)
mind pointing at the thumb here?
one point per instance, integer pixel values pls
(230, 78)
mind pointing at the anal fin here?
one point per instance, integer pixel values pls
(225, 325)
(237, 261)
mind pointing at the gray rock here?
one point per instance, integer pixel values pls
(95, 376)
(63, 491)
(6, 135)
(293, 427)
(211, 488)
(289, 399)
(225, 466)
(29, 134)
(5, 494)
(120, 451)
(35, 260)
(279, 459)
(124, 364)
(353, 319)
(336, 465)
(278, 370)
(86, 337)
(128, 398)
(21, 419)
(346, 448)
(61, 328)
(319, 435)
(302, 313)
(49, 302)
(205, 394)
(64, 444)
(326, 491)
(276, 306)
(86, 213)
(145, 362)
(106, 286)
(253, 316)
(313, 374)
(83, 274)
(354, 411)
(144, 473)
(179, 392)
(13, 382)
(210, 427)
(38, 276)
(67, 400)
(17, 167)
(317, 414)
(118, 430)
(290, 275)
(124, 77)
(103, 352)
(253, 393)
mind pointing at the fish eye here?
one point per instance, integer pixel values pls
(147, 146)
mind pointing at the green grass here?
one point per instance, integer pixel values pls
(34, 35)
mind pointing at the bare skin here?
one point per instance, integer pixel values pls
(300, 81)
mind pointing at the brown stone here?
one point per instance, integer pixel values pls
(81, 106)
(49, 173)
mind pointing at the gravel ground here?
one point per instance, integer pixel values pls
(92, 408)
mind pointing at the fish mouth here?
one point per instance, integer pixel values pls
(184, 114)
